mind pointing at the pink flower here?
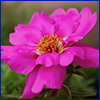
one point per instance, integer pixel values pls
(43, 48)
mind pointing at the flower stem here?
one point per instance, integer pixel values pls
(67, 90)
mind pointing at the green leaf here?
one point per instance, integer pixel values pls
(68, 77)
(82, 94)
(13, 96)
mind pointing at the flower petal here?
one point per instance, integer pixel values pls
(87, 22)
(76, 51)
(27, 93)
(48, 59)
(66, 58)
(66, 24)
(32, 33)
(20, 59)
(52, 77)
(91, 56)
(25, 35)
(43, 22)
(57, 12)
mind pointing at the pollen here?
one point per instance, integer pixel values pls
(49, 44)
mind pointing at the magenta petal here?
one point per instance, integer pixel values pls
(38, 85)
(27, 93)
(73, 10)
(87, 22)
(66, 24)
(52, 77)
(20, 59)
(43, 22)
(35, 15)
(32, 33)
(76, 51)
(91, 56)
(48, 59)
(66, 58)
(25, 35)
(58, 11)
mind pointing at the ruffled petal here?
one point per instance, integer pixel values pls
(57, 12)
(48, 59)
(43, 22)
(32, 33)
(77, 51)
(91, 56)
(66, 24)
(87, 22)
(25, 35)
(20, 59)
(27, 93)
(52, 77)
(66, 58)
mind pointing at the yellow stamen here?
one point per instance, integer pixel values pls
(49, 50)
(49, 44)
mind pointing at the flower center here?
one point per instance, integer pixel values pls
(49, 44)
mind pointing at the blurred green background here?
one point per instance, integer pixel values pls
(15, 12)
